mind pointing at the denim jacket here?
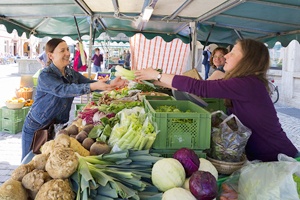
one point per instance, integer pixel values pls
(55, 94)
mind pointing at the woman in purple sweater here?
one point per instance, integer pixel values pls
(245, 90)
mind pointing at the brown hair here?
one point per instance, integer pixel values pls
(222, 49)
(51, 45)
(255, 61)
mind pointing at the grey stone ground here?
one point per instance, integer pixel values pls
(10, 144)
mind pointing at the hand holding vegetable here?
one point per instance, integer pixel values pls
(146, 74)
(161, 79)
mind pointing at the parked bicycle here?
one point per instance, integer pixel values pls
(274, 92)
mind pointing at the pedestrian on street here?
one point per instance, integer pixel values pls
(97, 60)
(206, 57)
(79, 63)
(42, 58)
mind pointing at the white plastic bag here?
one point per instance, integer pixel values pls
(269, 180)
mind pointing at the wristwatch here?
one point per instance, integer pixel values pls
(159, 76)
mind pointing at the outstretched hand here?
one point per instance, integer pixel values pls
(118, 82)
(146, 74)
(101, 85)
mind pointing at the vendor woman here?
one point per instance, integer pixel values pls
(56, 89)
(245, 88)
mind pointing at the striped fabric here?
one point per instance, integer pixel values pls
(171, 57)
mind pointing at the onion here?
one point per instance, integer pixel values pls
(189, 160)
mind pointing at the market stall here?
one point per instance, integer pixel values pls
(135, 143)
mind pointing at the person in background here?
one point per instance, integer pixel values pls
(246, 93)
(127, 60)
(106, 58)
(97, 60)
(206, 57)
(123, 56)
(55, 92)
(42, 58)
(78, 64)
(217, 62)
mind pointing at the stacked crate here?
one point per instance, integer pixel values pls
(180, 129)
(12, 120)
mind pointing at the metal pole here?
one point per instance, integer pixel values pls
(194, 43)
(90, 53)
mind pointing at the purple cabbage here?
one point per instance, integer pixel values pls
(203, 185)
(189, 160)
(110, 115)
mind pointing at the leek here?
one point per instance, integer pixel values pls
(124, 73)
(116, 175)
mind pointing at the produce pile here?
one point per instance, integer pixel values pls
(65, 170)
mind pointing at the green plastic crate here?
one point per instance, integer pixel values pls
(14, 114)
(26, 110)
(215, 104)
(156, 98)
(168, 153)
(177, 130)
(11, 126)
(78, 108)
(149, 97)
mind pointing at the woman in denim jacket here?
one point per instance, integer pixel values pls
(56, 89)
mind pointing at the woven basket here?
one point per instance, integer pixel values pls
(26, 95)
(227, 167)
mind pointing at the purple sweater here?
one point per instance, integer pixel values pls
(253, 107)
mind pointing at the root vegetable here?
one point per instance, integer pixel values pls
(13, 190)
(77, 147)
(98, 148)
(21, 171)
(87, 128)
(63, 131)
(62, 163)
(48, 147)
(72, 130)
(39, 161)
(62, 140)
(87, 143)
(81, 136)
(56, 189)
(34, 180)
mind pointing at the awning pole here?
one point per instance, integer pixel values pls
(78, 32)
(194, 43)
(90, 54)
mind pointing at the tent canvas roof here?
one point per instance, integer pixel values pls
(218, 21)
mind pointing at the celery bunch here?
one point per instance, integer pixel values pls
(124, 73)
(120, 175)
(134, 130)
